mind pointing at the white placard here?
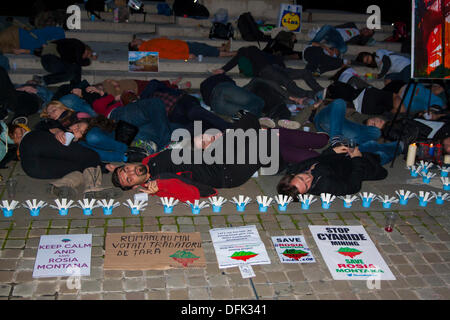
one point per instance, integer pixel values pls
(246, 271)
(350, 253)
(63, 256)
(237, 246)
(292, 249)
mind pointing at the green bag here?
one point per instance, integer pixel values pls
(245, 67)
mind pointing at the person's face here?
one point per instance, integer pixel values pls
(376, 122)
(446, 145)
(132, 174)
(18, 135)
(437, 89)
(367, 59)
(302, 182)
(136, 42)
(78, 129)
(335, 52)
(204, 141)
(54, 112)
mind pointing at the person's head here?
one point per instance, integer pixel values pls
(376, 122)
(367, 59)
(204, 141)
(80, 128)
(446, 145)
(17, 131)
(89, 53)
(294, 184)
(134, 44)
(335, 52)
(130, 175)
(366, 32)
(54, 110)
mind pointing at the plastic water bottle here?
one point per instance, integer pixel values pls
(200, 58)
(92, 17)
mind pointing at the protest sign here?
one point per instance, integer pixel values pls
(239, 245)
(153, 251)
(63, 256)
(350, 254)
(292, 249)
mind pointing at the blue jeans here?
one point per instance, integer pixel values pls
(77, 104)
(332, 121)
(227, 99)
(384, 150)
(149, 115)
(332, 37)
(109, 149)
(199, 48)
(421, 97)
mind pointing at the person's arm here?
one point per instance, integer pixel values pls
(232, 63)
(386, 66)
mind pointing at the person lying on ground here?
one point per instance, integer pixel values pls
(21, 41)
(320, 58)
(349, 76)
(339, 171)
(341, 35)
(283, 45)
(179, 49)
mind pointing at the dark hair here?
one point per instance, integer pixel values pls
(132, 48)
(360, 59)
(284, 187)
(115, 180)
(11, 129)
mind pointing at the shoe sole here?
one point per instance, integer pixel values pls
(268, 123)
(293, 125)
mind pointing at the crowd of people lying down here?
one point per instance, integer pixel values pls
(123, 127)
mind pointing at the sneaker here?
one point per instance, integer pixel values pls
(238, 115)
(267, 123)
(20, 120)
(288, 124)
(149, 146)
(338, 141)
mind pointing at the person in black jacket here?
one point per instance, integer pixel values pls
(63, 59)
(343, 34)
(340, 171)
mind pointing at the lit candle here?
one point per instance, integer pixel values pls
(411, 157)
(431, 152)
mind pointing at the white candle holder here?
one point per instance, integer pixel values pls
(169, 203)
(440, 197)
(217, 203)
(444, 171)
(263, 202)
(135, 206)
(367, 198)
(327, 199)
(426, 177)
(404, 196)
(387, 201)
(108, 206)
(415, 171)
(241, 202)
(197, 206)
(8, 208)
(424, 198)
(87, 205)
(283, 201)
(63, 206)
(348, 200)
(34, 206)
(307, 200)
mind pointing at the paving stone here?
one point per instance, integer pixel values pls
(295, 276)
(24, 289)
(112, 285)
(113, 296)
(156, 283)
(387, 295)
(433, 280)
(199, 294)
(134, 284)
(178, 294)
(432, 257)
(347, 296)
(157, 295)
(187, 228)
(201, 221)
(176, 281)
(406, 247)
(424, 269)
(367, 296)
(440, 268)
(406, 294)
(89, 286)
(14, 244)
(217, 280)
(112, 223)
(151, 228)
(443, 292)
(46, 288)
(8, 264)
(406, 270)
(91, 296)
(135, 296)
(197, 281)
(67, 297)
(5, 290)
(6, 276)
(169, 228)
(113, 274)
(184, 220)
(427, 294)
(282, 290)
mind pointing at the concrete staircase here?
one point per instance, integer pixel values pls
(110, 40)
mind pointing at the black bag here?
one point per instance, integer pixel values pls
(221, 31)
(95, 5)
(125, 132)
(249, 29)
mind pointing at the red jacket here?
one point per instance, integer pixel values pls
(105, 105)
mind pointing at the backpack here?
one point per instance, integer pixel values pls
(221, 31)
(249, 29)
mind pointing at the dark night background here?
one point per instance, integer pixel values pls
(391, 10)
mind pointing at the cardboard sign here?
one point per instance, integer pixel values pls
(143, 61)
(290, 17)
(237, 246)
(350, 253)
(63, 256)
(153, 251)
(292, 249)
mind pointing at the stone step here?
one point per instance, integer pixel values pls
(175, 30)
(22, 75)
(117, 37)
(135, 18)
(132, 27)
(118, 61)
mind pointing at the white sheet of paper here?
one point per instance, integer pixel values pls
(292, 249)
(246, 271)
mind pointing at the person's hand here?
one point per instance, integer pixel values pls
(218, 71)
(60, 136)
(151, 187)
(355, 153)
(341, 149)
(93, 89)
(117, 98)
(28, 89)
(77, 92)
